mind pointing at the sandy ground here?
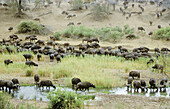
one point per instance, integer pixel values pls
(57, 22)
(109, 101)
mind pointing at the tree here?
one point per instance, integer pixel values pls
(17, 5)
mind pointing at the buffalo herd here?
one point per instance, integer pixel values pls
(143, 86)
(9, 84)
(89, 46)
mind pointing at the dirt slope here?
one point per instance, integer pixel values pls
(56, 22)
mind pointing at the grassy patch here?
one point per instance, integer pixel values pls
(103, 71)
(6, 104)
(29, 72)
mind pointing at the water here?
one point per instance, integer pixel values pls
(149, 93)
(31, 92)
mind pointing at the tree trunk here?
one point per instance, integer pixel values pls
(19, 6)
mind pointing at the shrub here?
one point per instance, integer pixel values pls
(30, 27)
(77, 4)
(62, 99)
(105, 33)
(128, 30)
(115, 35)
(79, 32)
(68, 32)
(100, 11)
(163, 33)
(57, 35)
(106, 29)
(117, 29)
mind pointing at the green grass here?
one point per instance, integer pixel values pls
(5, 103)
(103, 71)
(98, 70)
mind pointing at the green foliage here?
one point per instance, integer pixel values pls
(30, 27)
(127, 30)
(77, 4)
(62, 99)
(79, 32)
(57, 35)
(111, 34)
(163, 33)
(115, 35)
(100, 11)
(117, 29)
(104, 33)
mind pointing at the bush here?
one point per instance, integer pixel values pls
(79, 32)
(127, 30)
(117, 29)
(163, 33)
(115, 35)
(105, 33)
(57, 35)
(62, 99)
(77, 4)
(30, 27)
(100, 12)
